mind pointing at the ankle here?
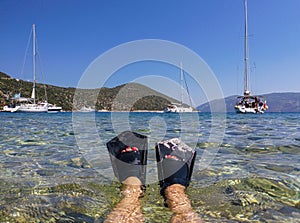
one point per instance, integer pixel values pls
(177, 199)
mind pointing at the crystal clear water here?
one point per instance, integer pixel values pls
(56, 168)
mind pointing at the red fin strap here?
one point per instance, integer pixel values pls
(130, 149)
(171, 157)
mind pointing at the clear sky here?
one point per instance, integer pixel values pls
(72, 33)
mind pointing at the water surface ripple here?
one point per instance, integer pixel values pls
(253, 175)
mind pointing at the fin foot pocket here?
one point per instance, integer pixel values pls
(175, 162)
(128, 154)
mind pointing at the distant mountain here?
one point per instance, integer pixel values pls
(277, 102)
(127, 97)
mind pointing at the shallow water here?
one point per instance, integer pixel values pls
(55, 167)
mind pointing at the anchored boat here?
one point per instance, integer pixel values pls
(249, 103)
(179, 107)
(21, 104)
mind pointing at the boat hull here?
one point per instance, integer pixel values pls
(244, 110)
(10, 109)
(177, 109)
(33, 108)
(53, 108)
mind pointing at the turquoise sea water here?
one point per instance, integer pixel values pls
(55, 167)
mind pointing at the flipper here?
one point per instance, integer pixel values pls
(128, 155)
(175, 162)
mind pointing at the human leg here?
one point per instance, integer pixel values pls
(175, 161)
(128, 153)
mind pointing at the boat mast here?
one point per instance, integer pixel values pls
(246, 54)
(34, 63)
(181, 84)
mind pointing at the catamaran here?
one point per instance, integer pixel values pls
(21, 104)
(179, 107)
(249, 103)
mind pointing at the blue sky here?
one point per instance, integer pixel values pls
(72, 33)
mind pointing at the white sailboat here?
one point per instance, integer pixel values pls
(179, 107)
(249, 103)
(31, 105)
(21, 104)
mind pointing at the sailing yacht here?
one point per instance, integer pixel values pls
(249, 103)
(178, 107)
(21, 104)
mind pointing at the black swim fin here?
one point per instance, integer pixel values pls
(175, 162)
(128, 155)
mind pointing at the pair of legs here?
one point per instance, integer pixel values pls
(175, 160)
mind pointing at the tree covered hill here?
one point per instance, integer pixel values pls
(127, 97)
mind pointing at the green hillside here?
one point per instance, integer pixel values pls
(129, 97)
